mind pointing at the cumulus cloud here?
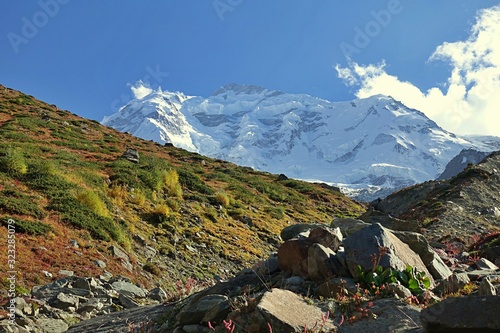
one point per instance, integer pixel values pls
(141, 89)
(470, 101)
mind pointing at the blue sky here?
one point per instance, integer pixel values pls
(83, 55)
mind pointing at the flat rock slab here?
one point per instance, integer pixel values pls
(392, 315)
(288, 312)
(463, 315)
(49, 325)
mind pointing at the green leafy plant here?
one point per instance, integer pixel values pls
(413, 279)
(377, 277)
(416, 281)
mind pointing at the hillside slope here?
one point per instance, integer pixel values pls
(454, 209)
(78, 206)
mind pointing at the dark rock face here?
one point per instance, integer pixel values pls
(293, 256)
(463, 315)
(452, 209)
(388, 221)
(460, 162)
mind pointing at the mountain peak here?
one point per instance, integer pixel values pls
(373, 142)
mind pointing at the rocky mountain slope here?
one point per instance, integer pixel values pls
(460, 162)
(454, 209)
(157, 215)
(369, 147)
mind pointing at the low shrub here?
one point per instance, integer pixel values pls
(171, 183)
(13, 202)
(194, 183)
(222, 198)
(90, 199)
(276, 212)
(35, 228)
(138, 197)
(13, 162)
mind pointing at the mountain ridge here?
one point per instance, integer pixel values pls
(366, 145)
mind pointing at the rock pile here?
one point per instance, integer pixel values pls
(322, 261)
(310, 284)
(56, 306)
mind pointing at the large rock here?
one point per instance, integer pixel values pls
(363, 244)
(128, 289)
(388, 315)
(487, 288)
(50, 325)
(430, 258)
(122, 255)
(294, 230)
(348, 225)
(337, 286)
(463, 314)
(131, 154)
(293, 256)
(323, 264)
(486, 264)
(286, 311)
(452, 284)
(158, 294)
(206, 309)
(65, 302)
(328, 237)
(127, 302)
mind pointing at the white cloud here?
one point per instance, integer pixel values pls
(470, 103)
(141, 89)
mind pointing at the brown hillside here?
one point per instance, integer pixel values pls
(176, 214)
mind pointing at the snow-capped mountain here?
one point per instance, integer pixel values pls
(364, 145)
